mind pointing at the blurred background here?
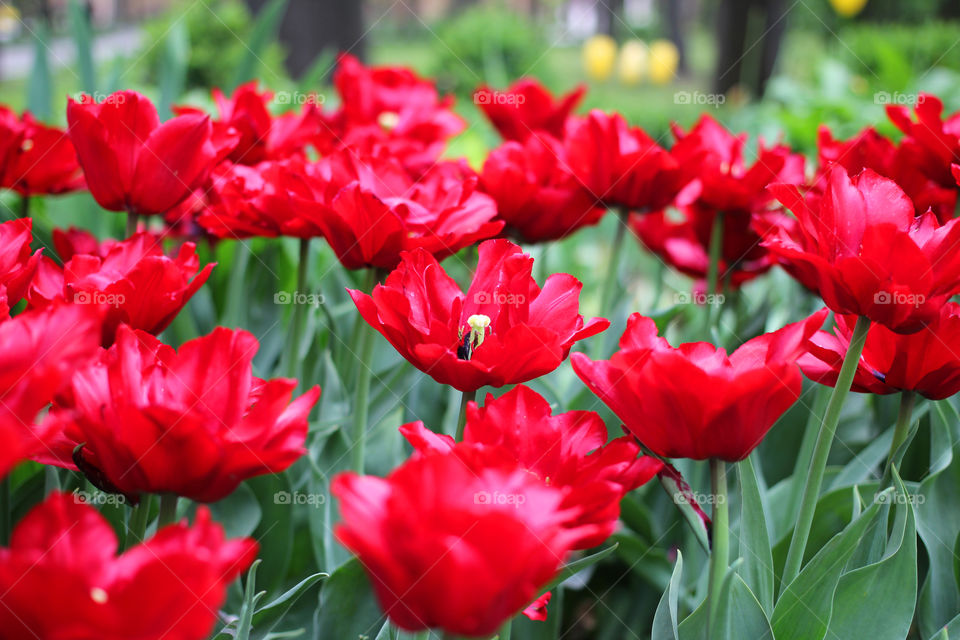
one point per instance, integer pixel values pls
(770, 67)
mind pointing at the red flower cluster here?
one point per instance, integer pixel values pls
(64, 552)
(648, 383)
(36, 159)
(194, 422)
(527, 108)
(504, 330)
(717, 181)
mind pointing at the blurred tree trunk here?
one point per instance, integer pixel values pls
(610, 17)
(673, 10)
(748, 64)
(311, 27)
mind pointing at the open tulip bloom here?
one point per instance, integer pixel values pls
(504, 330)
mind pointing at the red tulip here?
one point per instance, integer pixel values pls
(389, 107)
(459, 541)
(39, 351)
(566, 450)
(504, 330)
(262, 136)
(144, 288)
(931, 144)
(620, 165)
(861, 248)
(926, 361)
(374, 208)
(36, 159)
(713, 162)
(535, 191)
(682, 239)
(64, 553)
(694, 401)
(527, 107)
(870, 150)
(269, 199)
(134, 163)
(17, 264)
(194, 422)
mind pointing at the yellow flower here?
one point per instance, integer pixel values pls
(599, 56)
(848, 8)
(633, 62)
(663, 61)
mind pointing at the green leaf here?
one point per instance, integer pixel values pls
(83, 38)
(755, 548)
(40, 84)
(938, 521)
(804, 608)
(665, 620)
(250, 600)
(679, 491)
(264, 31)
(877, 601)
(740, 614)
(173, 72)
(348, 608)
(272, 613)
(275, 530)
(572, 568)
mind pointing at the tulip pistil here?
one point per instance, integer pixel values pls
(478, 329)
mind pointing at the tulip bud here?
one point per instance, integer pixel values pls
(664, 58)
(848, 8)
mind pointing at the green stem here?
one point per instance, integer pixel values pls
(25, 206)
(821, 451)
(713, 272)
(506, 630)
(139, 518)
(720, 540)
(131, 223)
(364, 353)
(298, 317)
(611, 277)
(901, 432)
(168, 510)
(5, 508)
(468, 396)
